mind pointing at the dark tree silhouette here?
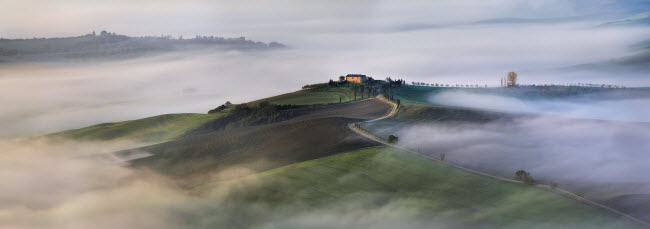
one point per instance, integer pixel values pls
(362, 90)
(523, 176)
(392, 139)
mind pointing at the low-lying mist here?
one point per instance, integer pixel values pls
(593, 157)
(56, 183)
(620, 105)
(43, 98)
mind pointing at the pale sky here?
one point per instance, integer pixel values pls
(29, 18)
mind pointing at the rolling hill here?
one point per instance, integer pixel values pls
(418, 111)
(149, 130)
(308, 97)
(310, 170)
(382, 187)
(312, 133)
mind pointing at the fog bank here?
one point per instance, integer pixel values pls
(633, 106)
(55, 183)
(600, 158)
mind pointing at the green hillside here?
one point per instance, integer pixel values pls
(153, 129)
(169, 126)
(396, 186)
(192, 160)
(413, 114)
(415, 94)
(311, 165)
(312, 133)
(308, 97)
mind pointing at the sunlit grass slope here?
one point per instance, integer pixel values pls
(308, 97)
(169, 126)
(402, 184)
(153, 129)
(192, 160)
(313, 133)
(416, 94)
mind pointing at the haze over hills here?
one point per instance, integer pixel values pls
(540, 128)
(463, 114)
(113, 46)
(268, 163)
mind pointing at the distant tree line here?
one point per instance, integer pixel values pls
(446, 85)
(592, 85)
(107, 44)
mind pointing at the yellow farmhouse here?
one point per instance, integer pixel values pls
(357, 78)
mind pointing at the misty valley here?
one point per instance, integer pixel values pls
(325, 114)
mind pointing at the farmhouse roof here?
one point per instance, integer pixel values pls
(355, 75)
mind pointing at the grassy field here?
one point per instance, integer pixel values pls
(308, 97)
(169, 126)
(197, 159)
(153, 129)
(313, 133)
(416, 94)
(312, 166)
(394, 186)
(416, 112)
(410, 114)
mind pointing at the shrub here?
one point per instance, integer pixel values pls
(315, 86)
(392, 139)
(219, 108)
(524, 176)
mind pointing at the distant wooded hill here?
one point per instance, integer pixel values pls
(111, 45)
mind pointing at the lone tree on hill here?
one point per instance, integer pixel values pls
(392, 139)
(512, 79)
(524, 176)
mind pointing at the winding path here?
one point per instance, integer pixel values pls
(355, 127)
